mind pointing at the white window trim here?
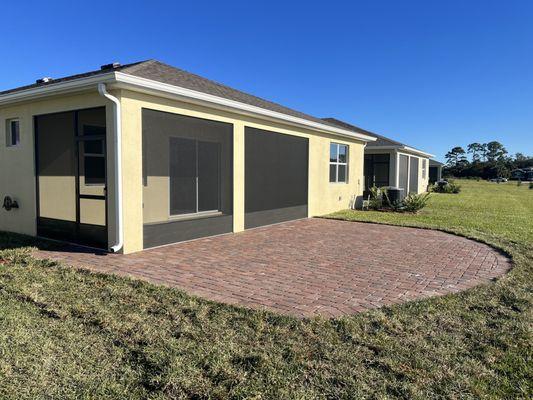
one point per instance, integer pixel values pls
(9, 136)
(197, 213)
(337, 163)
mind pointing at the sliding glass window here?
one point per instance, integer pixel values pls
(194, 176)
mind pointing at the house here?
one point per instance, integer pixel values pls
(391, 163)
(435, 171)
(523, 174)
(129, 157)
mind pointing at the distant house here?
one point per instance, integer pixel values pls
(523, 174)
(391, 163)
(435, 171)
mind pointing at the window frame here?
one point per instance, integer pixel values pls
(84, 156)
(338, 163)
(197, 212)
(9, 132)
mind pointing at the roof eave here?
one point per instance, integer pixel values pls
(402, 148)
(150, 86)
(121, 80)
(58, 88)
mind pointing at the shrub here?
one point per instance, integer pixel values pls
(415, 202)
(446, 187)
(519, 183)
(376, 198)
(531, 185)
(379, 200)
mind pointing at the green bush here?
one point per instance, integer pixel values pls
(376, 198)
(449, 187)
(531, 185)
(415, 202)
(379, 200)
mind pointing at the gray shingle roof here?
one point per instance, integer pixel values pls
(160, 72)
(435, 163)
(382, 140)
(69, 78)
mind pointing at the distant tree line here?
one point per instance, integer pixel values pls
(484, 160)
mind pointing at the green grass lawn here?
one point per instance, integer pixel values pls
(66, 333)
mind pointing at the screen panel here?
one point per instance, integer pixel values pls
(413, 175)
(276, 177)
(182, 170)
(403, 173)
(212, 169)
(71, 176)
(208, 176)
(56, 166)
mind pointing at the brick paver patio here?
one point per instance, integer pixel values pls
(309, 267)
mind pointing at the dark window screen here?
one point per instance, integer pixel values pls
(15, 133)
(182, 160)
(376, 170)
(94, 170)
(208, 176)
(404, 160)
(413, 175)
(93, 146)
(381, 174)
(275, 170)
(92, 130)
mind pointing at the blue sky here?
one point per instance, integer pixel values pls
(433, 74)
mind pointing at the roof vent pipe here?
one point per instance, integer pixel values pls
(110, 66)
(44, 80)
(118, 167)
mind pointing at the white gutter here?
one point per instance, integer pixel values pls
(118, 167)
(412, 150)
(122, 80)
(142, 84)
(54, 88)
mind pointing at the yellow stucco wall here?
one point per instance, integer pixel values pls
(17, 170)
(17, 166)
(423, 179)
(324, 197)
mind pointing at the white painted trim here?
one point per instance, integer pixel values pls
(121, 80)
(418, 152)
(338, 163)
(133, 82)
(52, 88)
(119, 220)
(397, 155)
(411, 150)
(408, 188)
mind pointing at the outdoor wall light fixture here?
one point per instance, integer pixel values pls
(9, 203)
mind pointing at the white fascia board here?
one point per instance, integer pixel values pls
(418, 152)
(406, 149)
(52, 88)
(135, 83)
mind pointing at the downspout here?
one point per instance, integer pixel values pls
(118, 167)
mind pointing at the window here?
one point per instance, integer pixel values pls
(194, 176)
(12, 132)
(91, 138)
(424, 169)
(338, 162)
(94, 161)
